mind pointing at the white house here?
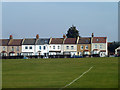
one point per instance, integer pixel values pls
(99, 46)
(55, 46)
(42, 47)
(117, 51)
(70, 46)
(28, 47)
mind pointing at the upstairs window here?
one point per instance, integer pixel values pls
(3, 48)
(40, 47)
(58, 47)
(86, 47)
(67, 47)
(17, 48)
(81, 47)
(53, 47)
(44, 47)
(72, 47)
(100, 46)
(26, 47)
(30, 47)
(12, 48)
(95, 46)
(97, 39)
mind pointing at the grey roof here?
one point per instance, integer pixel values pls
(42, 41)
(29, 41)
(84, 40)
(4, 42)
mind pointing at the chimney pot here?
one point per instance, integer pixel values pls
(64, 36)
(92, 34)
(11, 37)
(37, 36)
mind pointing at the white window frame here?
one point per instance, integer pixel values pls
(58, 47)
(100, 46)
(12, 48)
(26, 47)
(67, 47)
(44, 47)
(72, 47)
(39, 47)
(53, 47)
(3, 48)
(86, 47)
(81, 47)
(30, 47)
(95, 45)
(17, 48)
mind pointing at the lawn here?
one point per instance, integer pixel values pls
(56, 73)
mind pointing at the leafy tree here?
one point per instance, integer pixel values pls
(72, 32)
(113, 46)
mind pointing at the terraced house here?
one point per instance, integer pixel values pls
(56, 46)
(99, 46)
(70, 46)
(28, 46)
(42, 46)
(4, 47)
(14, 46)
(84, 46)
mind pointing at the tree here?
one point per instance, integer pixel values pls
(72, 32)
(113, 46)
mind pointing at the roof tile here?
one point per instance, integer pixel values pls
(99, 39)
(70, 41)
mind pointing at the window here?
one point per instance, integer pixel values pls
(44, 47)
(26, 47)
(58, 47)
(95, 46)
(86, 47)
(17, 48)
(12, 48)
(80, 53)
(18, 54)
(97, 39)
(3, 48)
(100, 46)
(72, 47)
(67, 47)
(30, 47)
(40, 47)
(81, 47)
(53, 47)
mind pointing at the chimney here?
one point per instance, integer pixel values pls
(78, 39)
(92, 34)
(37, 36)
(64, 36)
(11, 37)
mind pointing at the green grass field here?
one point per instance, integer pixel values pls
(56, 73)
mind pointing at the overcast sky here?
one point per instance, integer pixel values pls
(25, 20)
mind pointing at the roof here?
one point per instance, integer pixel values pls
(29, 41)
(42, 41)
(84, 40)
(99, 39)
(15, 42)
(70, 41)
(57, 41)
(4, 42)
